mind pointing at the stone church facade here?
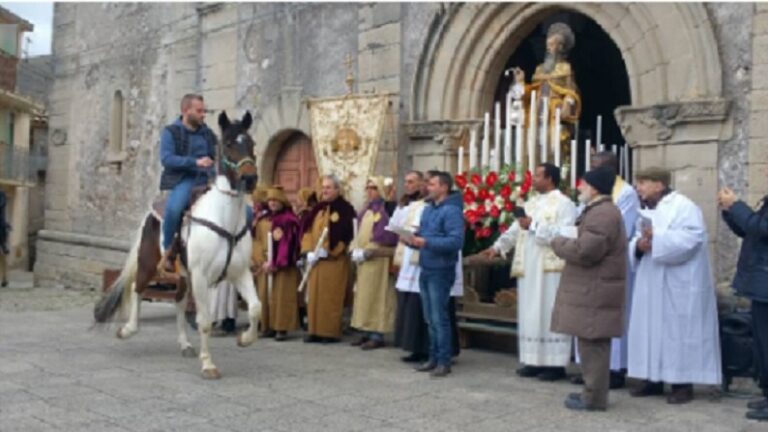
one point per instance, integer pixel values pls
(696, 74)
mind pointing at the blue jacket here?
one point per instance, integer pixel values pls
(180, 163)
(751, 280)
(442, 226)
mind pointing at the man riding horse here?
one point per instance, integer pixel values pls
(188, 154)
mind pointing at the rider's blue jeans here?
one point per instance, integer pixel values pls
(178, 201)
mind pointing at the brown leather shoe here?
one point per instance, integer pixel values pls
(359, 342)
(681, 394)
(372, 344)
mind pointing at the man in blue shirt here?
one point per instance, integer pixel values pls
(439, 240)
(187, 152)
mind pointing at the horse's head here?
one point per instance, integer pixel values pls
(237, 159)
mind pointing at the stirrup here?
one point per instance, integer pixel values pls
(167, 264)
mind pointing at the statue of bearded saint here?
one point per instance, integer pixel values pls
(554, 80)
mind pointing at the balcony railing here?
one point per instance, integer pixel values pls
(17, 166)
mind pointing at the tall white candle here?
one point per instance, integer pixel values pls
(587, 155)
(627, 167)
(461, 160)
(472, 148)
(532, 124)
(574, 160)
(519, 135)
(613, 149)
(599, 132)
(544, 128)
(486, 135)
(601, 148)
(508, 131)
(497, 137)
(556, 137)
(621, 163)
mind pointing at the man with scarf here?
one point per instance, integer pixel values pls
(373, 311)
(282, 301)
(330, 265)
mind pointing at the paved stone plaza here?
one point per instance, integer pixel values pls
(57, 373)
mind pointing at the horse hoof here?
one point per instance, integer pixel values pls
(121, 335)
(243, 341)
(211, 374)
(189, 352)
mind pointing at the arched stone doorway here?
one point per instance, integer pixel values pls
(294, 165)
(677, 117)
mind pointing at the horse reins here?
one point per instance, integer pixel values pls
(231, 239)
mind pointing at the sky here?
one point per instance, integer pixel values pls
(40, 14)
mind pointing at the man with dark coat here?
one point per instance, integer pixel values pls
(4, 229)
(751, 280)
(591, 296)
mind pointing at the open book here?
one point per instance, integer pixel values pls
(404, 233)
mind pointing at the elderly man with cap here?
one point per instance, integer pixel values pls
(373, 312)
(591, 295)
(282, 301)
(673, 330)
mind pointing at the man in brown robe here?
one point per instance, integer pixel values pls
(329, 264)
(261, 226)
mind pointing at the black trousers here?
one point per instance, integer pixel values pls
(760, 338)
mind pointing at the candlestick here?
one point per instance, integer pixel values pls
(520, 114)
(599, 131)
(556, 137)
(613, 149)
(544, 128)
(627, 167)
(461, 160)
(486, 149)
(473, 149)
(497, 137)
(532, 123)
(573, 164)
(587, 155)
(508, 131)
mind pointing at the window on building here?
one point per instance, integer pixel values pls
(117, 127)
(9, 39)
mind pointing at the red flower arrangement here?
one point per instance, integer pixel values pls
(490, 199)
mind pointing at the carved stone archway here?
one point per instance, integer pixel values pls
(678, 116)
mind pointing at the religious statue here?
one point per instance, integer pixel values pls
(554, 82)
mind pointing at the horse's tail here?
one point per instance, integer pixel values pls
(120, 290)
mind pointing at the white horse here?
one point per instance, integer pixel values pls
(215, 246)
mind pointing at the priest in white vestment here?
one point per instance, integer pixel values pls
(543, 354)
(673, 329)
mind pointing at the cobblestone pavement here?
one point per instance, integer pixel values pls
(58, 373)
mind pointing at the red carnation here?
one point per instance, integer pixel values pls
(486, 232)
(505, 191)
(481, 211)
(470, 216)
(509, 206)
(511, 176)
(477, 180)
(503, 228)
(461, 181)
(483, 194)
(491, 178)
(495, 212)
(469, 196)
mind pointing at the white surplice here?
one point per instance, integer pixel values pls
(673, 330)
(538, 272)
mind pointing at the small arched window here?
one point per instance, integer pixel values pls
(117, 128)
